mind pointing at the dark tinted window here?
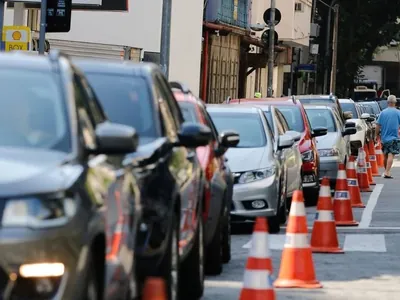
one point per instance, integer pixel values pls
(321, 118)
(248, 125)
(126, 100)
(293, 117)
(189, 112)
(33, 112)
(350, 107)
(362, 96)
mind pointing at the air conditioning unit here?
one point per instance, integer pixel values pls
(298, 6)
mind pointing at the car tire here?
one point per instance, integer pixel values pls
(226, 234)
(192, 269)
(274, 224)
(169, 266)
(214, 264)
(92, 288)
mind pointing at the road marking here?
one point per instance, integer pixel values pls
(223, 284)
(367, 213)
(365, 243)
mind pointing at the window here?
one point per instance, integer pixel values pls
(248, 125)
(350, 107)
(94, 106)
(317, 101)
(189, 112)
(322, 118)
(126, 100)
(298, 6)
(293, 117)
(282, 120)
(34, 113)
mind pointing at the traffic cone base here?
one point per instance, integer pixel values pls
(297, 260)
(257, 285)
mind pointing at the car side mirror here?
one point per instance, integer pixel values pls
(229, 139)
(296, 136)
(371, 119)
(285, 141)
(115, 138)
(192, 135)
(348, 115)
(319, 131)
(349, 131)
(349, 125)
(365, 116)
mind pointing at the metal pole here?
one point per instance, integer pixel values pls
(291, 74)
(165, 36)
(327, 50)
(1, 17)
(334, 50)
(271, 54)
(42, 34)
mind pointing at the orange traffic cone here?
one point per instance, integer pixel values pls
(352, 183)
(362, 172)
(257, 283)
(324, 238)
(379, 155)
(368, 165)
(372, 158)
(297, 266)
(341, 203)
(154, 289)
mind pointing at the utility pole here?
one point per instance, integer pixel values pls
(271, 52)
(43, 22)
(334, 49)
(327, 44)
(165, 36)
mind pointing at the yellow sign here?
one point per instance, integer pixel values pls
(16, 38)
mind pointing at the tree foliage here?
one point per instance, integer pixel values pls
(364, 25)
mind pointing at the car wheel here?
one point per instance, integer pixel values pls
(92, 288)
(214, 262)
(170, 264)
(226, 235)
(192, 269)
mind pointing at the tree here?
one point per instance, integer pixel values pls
(364, 25)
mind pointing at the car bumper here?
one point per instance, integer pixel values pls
(265, 190)
(23, 246)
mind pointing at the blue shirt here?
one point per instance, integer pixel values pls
(389, 120)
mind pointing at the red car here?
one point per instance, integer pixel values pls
(219, 180)
(297, 120)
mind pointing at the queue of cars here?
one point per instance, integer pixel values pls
(114, 175)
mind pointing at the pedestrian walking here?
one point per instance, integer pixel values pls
(388, 128)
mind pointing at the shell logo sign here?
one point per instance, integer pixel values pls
(16, 38)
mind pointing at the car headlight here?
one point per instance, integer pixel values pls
(307, 156)
(38, 213)
(328, 152)
(359, 127)
(255, 175)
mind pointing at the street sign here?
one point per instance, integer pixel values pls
(58, 17)
(267, 16)
(16, 38)
(265, 37)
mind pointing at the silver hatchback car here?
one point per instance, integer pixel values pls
(258, 166)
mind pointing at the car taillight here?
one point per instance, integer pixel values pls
(210, 171)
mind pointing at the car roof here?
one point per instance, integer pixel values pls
(108, 66)
(299, 97)
(25, 61)
(346, 101)
(183, 97)
(233, 108)
(312, 106)
(262, 101)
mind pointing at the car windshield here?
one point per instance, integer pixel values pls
(321, 118)
(126, 100)
(362, 96)
(248, 125)
(189, 112)
(350, 107)
(317, 101)
(293, 117)
(374, 106)
(383, 104)
(33, 112)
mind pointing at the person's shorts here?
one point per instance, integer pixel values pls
(392, 147)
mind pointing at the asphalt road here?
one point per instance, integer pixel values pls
(368, 270)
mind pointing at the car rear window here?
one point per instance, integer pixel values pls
(293, 117)
(248, 125)
(362, 96)
(321, 118)
(126, 100)
(189, 112)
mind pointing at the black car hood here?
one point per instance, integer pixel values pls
(32, 171)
